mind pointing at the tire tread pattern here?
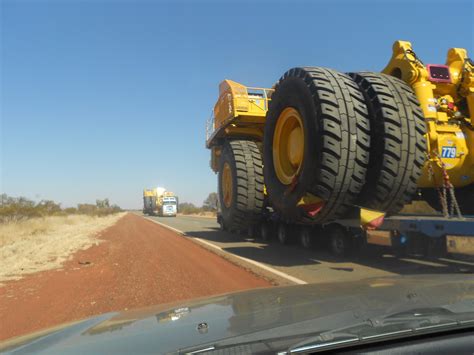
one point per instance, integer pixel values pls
(398, 147)
(344, 131)
(245, 157)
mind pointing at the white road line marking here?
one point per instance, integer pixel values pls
(256, 263)
(457, 261)
(250, 261)
(423, 262)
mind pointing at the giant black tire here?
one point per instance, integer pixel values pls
(398, 145)
(245, 162)
(336, 148)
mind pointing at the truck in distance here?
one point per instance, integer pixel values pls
(167, 205)
(159, 202)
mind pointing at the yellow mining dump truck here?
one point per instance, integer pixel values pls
(320, 145)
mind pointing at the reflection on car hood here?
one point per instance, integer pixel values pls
(171, 327)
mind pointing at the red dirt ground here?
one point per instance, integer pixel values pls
(139, 264)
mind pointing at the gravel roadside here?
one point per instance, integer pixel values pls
(139, 264)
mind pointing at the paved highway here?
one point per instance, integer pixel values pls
(311, 266)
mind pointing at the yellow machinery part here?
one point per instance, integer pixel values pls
(240, 111)
(216, 152)
(148, 193)
(288, 145)
(450, 143)
(236, 99)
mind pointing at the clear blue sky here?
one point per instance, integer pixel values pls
(102, 99)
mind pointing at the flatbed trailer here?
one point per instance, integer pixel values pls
(433, 226)
(425, 234)
(436, 233)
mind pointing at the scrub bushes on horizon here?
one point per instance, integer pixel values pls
(16, 209)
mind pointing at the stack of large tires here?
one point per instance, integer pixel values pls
(364, 143)
(332, 142)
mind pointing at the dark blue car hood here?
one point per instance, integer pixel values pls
(246, 315)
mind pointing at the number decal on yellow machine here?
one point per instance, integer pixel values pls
(448, 152)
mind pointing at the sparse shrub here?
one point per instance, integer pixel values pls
(210, 203)
(86, 208)
(48, 208)
(13, 209)
(188, 208)
(17, 209)
(70, 210)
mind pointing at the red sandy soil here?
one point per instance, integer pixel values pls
(139, 264)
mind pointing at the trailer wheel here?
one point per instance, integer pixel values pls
(305, 237)
(240, 184)
(284, 234)
(253, 231)
(222, 226)
(316, 145)
(266, 231)
(437, 247)
(339, 241)
(398, 145)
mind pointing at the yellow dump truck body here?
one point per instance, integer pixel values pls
(239, 111)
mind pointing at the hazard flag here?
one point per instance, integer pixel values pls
(371, 219)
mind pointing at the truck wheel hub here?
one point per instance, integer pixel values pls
(288, 145)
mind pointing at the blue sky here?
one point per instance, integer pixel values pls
(101, 99)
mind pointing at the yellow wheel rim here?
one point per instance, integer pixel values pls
(227, 188)
(288, 145)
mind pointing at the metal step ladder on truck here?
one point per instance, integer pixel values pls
(325, 153)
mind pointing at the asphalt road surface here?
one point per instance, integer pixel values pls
(312, 266)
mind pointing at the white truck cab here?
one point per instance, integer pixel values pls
(169, 207)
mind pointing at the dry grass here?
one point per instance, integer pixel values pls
(45, 243)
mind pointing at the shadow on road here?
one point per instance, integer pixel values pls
(273, 253)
